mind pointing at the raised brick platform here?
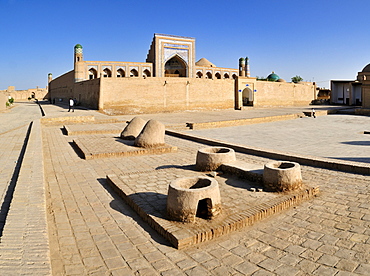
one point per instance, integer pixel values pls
(146, 193)
(113, 128)
(96, 146)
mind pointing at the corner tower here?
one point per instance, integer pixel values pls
(50, 77)
(78, 63)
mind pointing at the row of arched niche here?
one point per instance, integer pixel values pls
(120, 73)
(209, 75)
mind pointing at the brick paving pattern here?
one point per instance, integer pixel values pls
(102, 146)
(93, 232)
(146, 193)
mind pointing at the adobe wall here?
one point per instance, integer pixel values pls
(3, 100)
(86, 92)
(21, 95)
(366, 96)
(283, 94)
(62, 87)
(153, 95)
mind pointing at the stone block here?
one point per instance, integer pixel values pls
(151, 136)
(281, 176)
(211, 158)
(133, 129)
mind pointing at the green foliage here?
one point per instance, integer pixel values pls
(261, 78)
(297, 79)
(7, 104)
(11, 100)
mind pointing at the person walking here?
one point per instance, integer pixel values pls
(313, 113)
(71, 105)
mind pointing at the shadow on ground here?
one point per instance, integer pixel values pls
(120, 205)
(357, 143)
(180, 167)
(353, 159)
(77, 150)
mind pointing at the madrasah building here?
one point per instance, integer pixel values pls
(171, 80)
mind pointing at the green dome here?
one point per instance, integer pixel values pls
(78, 46)
(273, 77)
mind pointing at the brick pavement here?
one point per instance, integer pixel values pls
(93, 232)
(24, 246)
(339, 137)
(96, 232)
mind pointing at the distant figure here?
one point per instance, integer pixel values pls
(313, 113)
(71, 105)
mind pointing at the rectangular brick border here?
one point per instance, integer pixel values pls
(89, 132)
(249, 121)
(87, 154)
(181, 237)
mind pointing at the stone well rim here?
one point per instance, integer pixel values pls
(178, 183)
(282, 165)
(216, 150)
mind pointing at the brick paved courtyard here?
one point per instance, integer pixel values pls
(91, 231)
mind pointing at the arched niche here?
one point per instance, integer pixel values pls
(247, 96)
(199, 75)
(176, 67)
(121, 73)
(93, 74)
(134, 73)
(146, 73)
(107, 73)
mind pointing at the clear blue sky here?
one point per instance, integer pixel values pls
(319, 40)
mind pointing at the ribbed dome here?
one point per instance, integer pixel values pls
(273, 77)
(78, 46)
(204, 62)
(366, 68)
(281, 80)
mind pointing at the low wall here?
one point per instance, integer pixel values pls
(283, 94)
(3, 100)
(23, 95)
(366, 96)
(153, 95)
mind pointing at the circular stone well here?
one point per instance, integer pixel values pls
(209, 159)
(189, 197)
(281, 176)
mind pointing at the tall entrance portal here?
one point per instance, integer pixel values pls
(172, 56)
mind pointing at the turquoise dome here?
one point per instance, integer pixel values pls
(78, 46)
(273, 77)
